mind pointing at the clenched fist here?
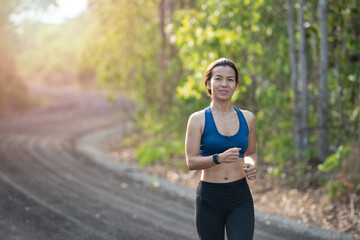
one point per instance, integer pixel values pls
(229, 156)
(250, 171)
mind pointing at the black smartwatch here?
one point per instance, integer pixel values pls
(216, 158)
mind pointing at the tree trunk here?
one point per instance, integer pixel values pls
(359, 122)
(162, 59)
(294, 77)
(358, 73)
(303, 77)
(323, 116)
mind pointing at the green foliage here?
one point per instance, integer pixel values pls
(333, 162)
(123, 47)
(274, 133)
(159, 150)
(150, 152)
(336, 189)
(231, 29)
(342, 168)
(344, 72)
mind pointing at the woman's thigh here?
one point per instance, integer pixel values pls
(209, 219)
(240, 224)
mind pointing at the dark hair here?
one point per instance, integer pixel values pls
(220, 62)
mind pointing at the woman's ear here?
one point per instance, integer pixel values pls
(208, 84)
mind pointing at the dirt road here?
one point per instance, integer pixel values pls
(50, 189)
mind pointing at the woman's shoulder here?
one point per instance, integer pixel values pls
(248, 115)
(197, 116)
(197, 121)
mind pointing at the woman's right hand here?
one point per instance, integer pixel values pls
(229, 156)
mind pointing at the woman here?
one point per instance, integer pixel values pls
(220, 141)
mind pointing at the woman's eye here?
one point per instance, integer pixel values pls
(217, 79)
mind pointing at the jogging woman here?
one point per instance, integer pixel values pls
(220, 141)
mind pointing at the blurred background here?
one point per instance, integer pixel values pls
(299, 65)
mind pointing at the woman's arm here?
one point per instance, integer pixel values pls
(250, 160)
(192, 144)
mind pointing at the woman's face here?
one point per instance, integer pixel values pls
(223, 82)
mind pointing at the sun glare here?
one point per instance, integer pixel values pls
(65, 9)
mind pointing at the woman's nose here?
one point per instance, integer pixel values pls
(224, 83)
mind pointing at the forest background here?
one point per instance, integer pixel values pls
(299, 65)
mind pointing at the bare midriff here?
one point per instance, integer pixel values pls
(224, 172)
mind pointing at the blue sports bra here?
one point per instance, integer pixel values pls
(214, 142)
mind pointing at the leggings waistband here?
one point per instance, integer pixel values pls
(228, 184)
(221, 187)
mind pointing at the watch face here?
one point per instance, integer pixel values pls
(216, 158)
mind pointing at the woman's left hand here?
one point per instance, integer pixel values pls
(250, 171)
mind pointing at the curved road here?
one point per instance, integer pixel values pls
(50, 189)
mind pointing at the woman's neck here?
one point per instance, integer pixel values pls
(223, 107)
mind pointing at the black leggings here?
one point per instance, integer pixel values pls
(220, 205)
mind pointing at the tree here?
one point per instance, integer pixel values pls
(323, 92)
(294, 76)
(162, 57)
(170, 65)
(303, 77)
